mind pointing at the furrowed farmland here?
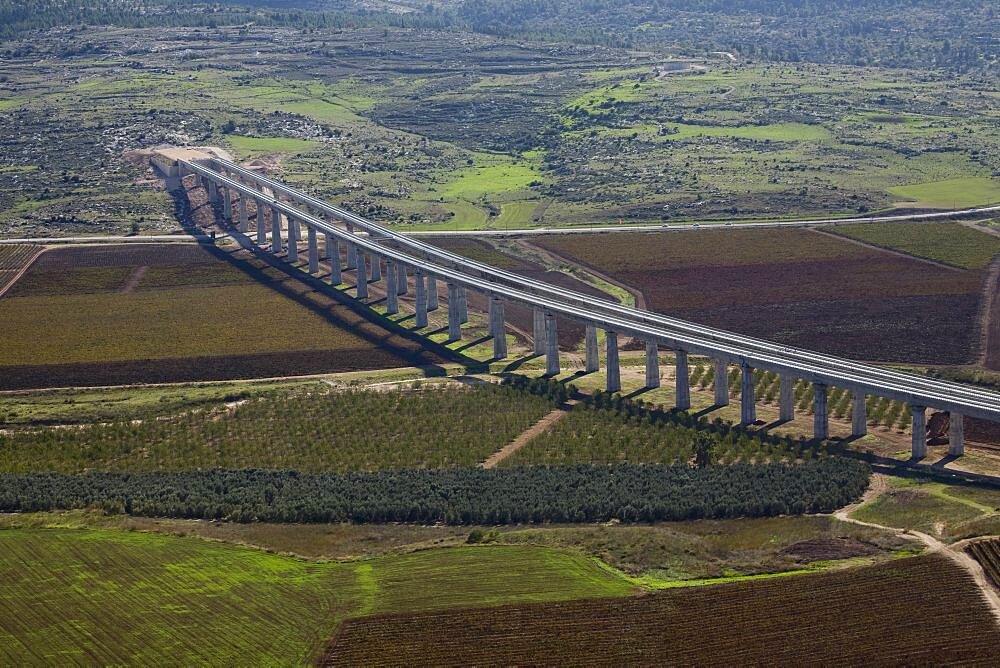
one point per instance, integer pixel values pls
(116, 597)
(796, 286)
(987, 553)
(122, 314)
(882, 614)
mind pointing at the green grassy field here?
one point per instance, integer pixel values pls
(951, 193)
(950, 243)
(253, 146)
(112, 597)
(76, 406)
(949, 512)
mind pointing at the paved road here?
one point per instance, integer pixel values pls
(152, 239)
(714, 225)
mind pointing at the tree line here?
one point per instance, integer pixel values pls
(537, 494)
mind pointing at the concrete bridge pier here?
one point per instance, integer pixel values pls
(352, 254)
(463, 304)
(919, 442)
(313, 249)
(402, 286)
(956, 434)
(421, 300)
(454, 321)
(227, 205)
(859, 414)
(211, 190)
(275, 231)
(786, 398)
(821, 412)
(376, 269)
(614, 375)
(497, 328)
(361, 277)
(748, 402)
(552, 367)
(721, 383)
(391, 300)
(593, 360)
(433, 303)
(293, 241)
(652, 365)
(538, 331)
(682, 381)
(261, 224)
(244, 222)
(333, 255)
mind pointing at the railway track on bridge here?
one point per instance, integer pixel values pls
(431, 264)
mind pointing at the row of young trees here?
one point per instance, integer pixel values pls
(584, 493)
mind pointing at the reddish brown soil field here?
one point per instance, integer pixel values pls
(917, 611)
(795, 286)
(570, 333)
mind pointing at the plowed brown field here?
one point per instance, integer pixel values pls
(796, 286)
(916, 611)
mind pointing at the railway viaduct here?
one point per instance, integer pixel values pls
(368, 246)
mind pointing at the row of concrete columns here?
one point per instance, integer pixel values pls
(545, 329)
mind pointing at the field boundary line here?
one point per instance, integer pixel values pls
(23, 270)
(529, 434)
(883, 249)
(132, 282)
(989, 317)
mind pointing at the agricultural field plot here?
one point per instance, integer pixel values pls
(950, 243)
(308, 430)
(599, 432)
(520, 317)
(13, 259)
(987, 553)
(120, 315)
(876, 614)
(949, 512)
(116, 597)
(799, 287)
